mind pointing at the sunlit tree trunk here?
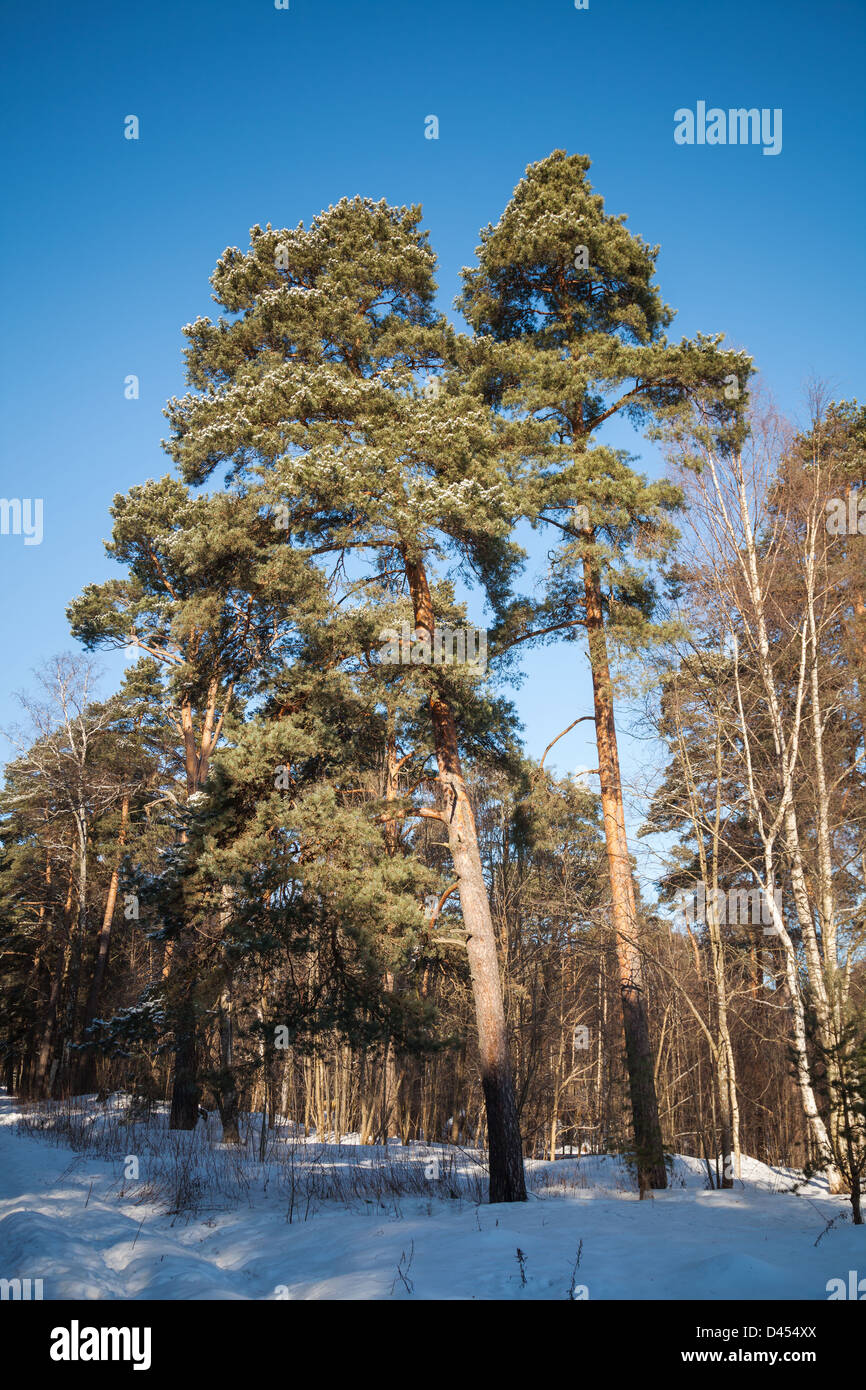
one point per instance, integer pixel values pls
(644, 1102)
(507, 1182)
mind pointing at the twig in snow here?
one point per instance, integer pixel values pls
(408, 1284)
(841, 1216)
(573, 1285)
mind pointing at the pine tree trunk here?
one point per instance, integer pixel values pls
(178, 970)
(41, 1085)
(507, 1181)
(644, 1102)
(76, 952)
(88, 1066)
(43, 1056)
(186, 1092)
(227, 1094)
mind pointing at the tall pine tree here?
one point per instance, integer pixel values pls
(333, 391)
(564, 299)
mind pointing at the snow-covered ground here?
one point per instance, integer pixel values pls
(199, 1223)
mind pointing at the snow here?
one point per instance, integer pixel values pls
(69, 1217)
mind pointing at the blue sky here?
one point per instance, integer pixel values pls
(251, 114)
